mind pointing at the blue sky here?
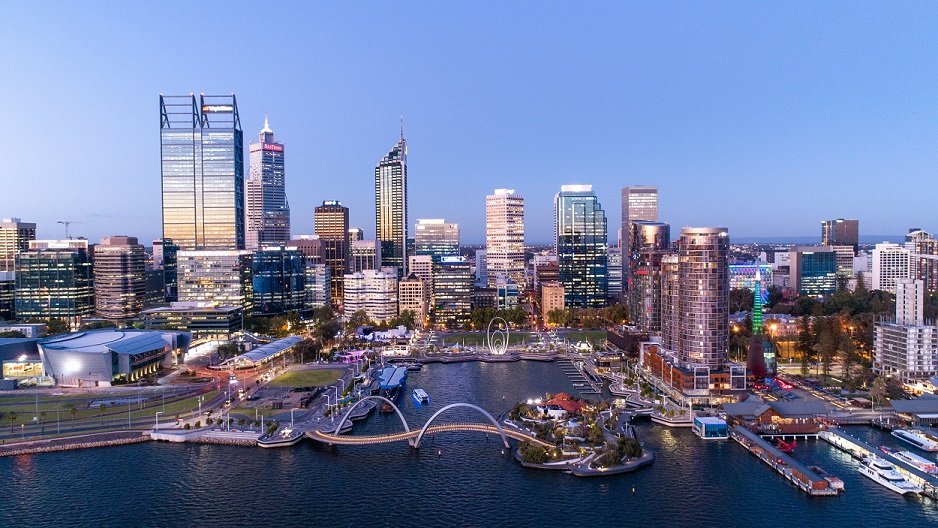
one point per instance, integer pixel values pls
(763, 117)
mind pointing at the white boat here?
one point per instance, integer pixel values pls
(885, 474)
(919, 439)
(421, 396)
(912, 459)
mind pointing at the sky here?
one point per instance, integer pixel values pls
(763, 117)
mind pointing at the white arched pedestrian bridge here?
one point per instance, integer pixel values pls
(414, 437)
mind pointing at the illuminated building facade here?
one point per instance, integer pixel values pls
(266, 208)
(391, 207)
(119, 277)
(580, 242)
(55, 279)
(202, 157)
(331, 224)
(436, 237)
(504, 236)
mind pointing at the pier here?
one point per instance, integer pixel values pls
(799, 475)
(859, 449)
(582, 379)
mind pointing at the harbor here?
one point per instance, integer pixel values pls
(859, 450)
(801, 476)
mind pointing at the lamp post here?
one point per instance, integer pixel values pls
(291, 417)
(156, 420)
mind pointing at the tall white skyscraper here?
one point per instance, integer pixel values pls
(391, 207)
(267, 212)
(910, 302)
(504, 236)
(639, 202)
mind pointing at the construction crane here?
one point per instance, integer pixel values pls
(68, 223)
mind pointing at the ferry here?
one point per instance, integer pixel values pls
(421, 396)
(919, 439)
(282, 438)
(885, 473)
(911, 459)
(834, 482)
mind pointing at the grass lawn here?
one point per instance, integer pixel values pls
(306, 378)
(261, 411)
(592, 335)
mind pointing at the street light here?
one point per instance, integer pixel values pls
(291, 416)
(156, 420)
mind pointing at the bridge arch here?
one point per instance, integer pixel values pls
(375, 397)
(416, 442)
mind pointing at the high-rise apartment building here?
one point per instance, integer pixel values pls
(840, 232)
(14, 237)
(504, 236)
(374, 291)
(923, 252)
(202, 156)
(366, 254)
(119, 277)
(436, 237)
(54, 279)
(551, 299)
(890, 262)
(907, 349)
(216, 276)
(639, 202)
(391, 207)
(331, 225)
(580, 242)
(266, 207)
(278, 280)
(317, 285)
(650, 243)
(695, 298)
(614, 271)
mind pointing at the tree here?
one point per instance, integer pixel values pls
(56, 326)
(13, 334)
(101, 408)
(73, 411)
(359, 318)
(775, 296)
(12, 416)
(98, 324)
(741, 299)
(825, 345)
(323, 314)
(848, 358)
(805, 343)
(42, 417)
(878, 391)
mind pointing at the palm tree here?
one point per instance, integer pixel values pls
(102, 407)
(12, 417)
(42, 417)
(73, 411)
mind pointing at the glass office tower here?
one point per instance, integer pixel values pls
(391, 207)
(435, 237)
(580, 241)
(202, 159)
(266, 206)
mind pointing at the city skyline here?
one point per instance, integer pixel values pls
(760, 122)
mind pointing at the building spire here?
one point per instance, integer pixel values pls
(266, 129)
(402, 125)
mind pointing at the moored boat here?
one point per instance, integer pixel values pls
(886, 475)
(919, 439)
(912, 459)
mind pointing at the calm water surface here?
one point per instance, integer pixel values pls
(456, 479)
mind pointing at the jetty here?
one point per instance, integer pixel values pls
(859, 450)
(801, 476)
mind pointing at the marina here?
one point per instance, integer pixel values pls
(918, 438)
(859, 450)
(584, 381)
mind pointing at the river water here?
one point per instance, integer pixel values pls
(455, 479)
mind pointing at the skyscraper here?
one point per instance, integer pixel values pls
(504, 236)
(435, 237)
(266, 206)
(639, 202)
(840, 232)
(580, 242)
(643, 262)
(202, 158)
(14, 237)
(923, 252)
(890, 262)
(119, 277)
(366, 254)
(278, 277)
(391, 207)
(331, 225)
(695, 297)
